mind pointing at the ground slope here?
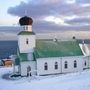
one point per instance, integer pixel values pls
(74, 81)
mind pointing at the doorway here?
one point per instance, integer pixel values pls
(29, 71)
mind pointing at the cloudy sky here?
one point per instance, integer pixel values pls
(48, 14)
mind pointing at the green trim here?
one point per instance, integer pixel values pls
(26, 33)
(17, 61)
(23, 57)
(50, 48)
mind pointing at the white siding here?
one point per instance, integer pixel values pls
(70, 61)
(39, 65)
(89, 61)
(51, 66)
(30, 56)
(86, 59)
(23, 47)
(61, 63)
(24, 66)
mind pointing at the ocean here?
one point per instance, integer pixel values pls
(8, 48)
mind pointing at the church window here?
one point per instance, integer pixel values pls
(25, 28)
(75, 64)
(56, 65)
(27, 42)
(66, 65)
(85, 63)
(46, 66)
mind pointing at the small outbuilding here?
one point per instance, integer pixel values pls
(7, 62)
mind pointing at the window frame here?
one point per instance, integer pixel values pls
(65, 64)
(85, 63)
(75, 64)
(56, 65)
(45, 66)
(27, 41)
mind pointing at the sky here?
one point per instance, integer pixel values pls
(7, 19)
(47, 14)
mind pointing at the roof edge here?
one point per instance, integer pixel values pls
(26, 33)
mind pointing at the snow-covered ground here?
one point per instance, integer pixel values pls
(72, 81)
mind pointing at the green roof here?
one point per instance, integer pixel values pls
(17, 61)
(26, 33)
(50, 48)
(23, 57)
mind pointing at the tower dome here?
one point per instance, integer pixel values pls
(25, 21)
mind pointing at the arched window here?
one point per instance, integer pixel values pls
(75, 64)
(27, 41)
(46, 66)
(85, 63)
(66, 65)
(56, 65)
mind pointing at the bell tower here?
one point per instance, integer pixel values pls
(26, 38)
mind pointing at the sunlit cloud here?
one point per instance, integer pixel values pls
(54, 19)
(85, 5)
(54, 14)
(70, 17)
(70, 1)
(10, 21)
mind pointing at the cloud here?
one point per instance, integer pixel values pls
(40, 9)
(83, 1)
(36, 9)
(49, 26)
(57, 8)
(79, 21)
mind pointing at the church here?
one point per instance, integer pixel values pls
(48, 56)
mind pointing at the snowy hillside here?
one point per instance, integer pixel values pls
(75, 81)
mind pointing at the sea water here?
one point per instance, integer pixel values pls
(7, 48)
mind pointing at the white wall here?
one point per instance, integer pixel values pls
(61, 63)
(23, 47)
(39, 65)
(30, 56)
(89, 61)
(51, 63)
(28, 28)
(70, 61)
(24, 66)
(86, 59)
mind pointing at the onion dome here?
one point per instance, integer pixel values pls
(25, 21)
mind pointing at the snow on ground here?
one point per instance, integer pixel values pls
(72, 81)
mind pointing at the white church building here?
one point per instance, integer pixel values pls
(48, 56)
